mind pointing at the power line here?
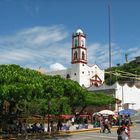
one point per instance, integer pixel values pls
(136, 77)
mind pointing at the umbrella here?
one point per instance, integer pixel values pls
(96, 113)
(127, 112)
(107, 112)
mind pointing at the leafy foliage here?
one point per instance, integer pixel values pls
(127, 72)
(33, 93)
(99, 99)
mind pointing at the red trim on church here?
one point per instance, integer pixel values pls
(79, 48)
(78, 61)
(95, 80)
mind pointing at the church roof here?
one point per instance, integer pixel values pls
(79, 31)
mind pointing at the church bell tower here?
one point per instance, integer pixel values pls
(79, 56)
(79, 50)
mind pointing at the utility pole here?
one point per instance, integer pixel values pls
(109, 43)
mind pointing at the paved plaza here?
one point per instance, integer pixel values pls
(83, 134)
(93, 134)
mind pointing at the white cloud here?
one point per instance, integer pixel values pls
(38, 36)
(37, 46)
(133, 52)
(57, 66)
(47, 47)
(99, 53)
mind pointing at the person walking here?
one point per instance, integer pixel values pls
(122, 132)
(102, 123)
(106, 126)
(119, 133)
(59, 125)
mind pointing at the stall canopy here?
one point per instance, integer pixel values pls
(107, 112)
(128, 112)
(66, 116)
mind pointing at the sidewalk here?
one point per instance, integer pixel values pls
(49, 134)
(74, 128)
(90, 128)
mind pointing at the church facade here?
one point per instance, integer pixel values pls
(86, 75)
(92, 77)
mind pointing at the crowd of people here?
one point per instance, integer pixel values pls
(106, 122)
(103, 122)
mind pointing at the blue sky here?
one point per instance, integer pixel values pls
(38, 33)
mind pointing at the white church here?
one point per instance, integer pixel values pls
(92, 77)
(86, 75)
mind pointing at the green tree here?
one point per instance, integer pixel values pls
(29, 92)
(128, 72)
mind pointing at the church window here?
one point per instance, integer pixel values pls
(83, 64)
(76, 43)
(68, 76)
(75, 55)
(74, 73)
(83, 72)
(82, 43)
(83, 56)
